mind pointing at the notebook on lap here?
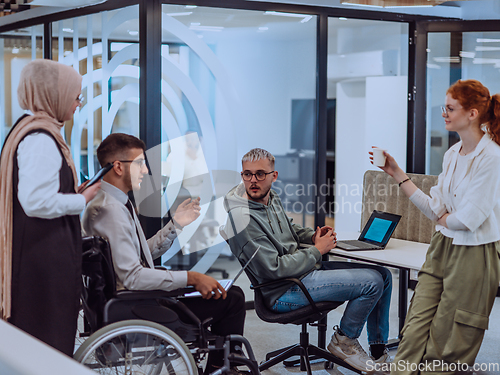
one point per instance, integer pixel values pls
(376, 233)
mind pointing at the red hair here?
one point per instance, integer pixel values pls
(472, 94)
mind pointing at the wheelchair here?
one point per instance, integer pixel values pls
(146, 332)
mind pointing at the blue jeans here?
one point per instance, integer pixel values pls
(367, 288)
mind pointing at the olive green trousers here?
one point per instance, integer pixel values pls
(449, 311)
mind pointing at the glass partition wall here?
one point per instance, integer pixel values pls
(367, 101)
(110, 77)
(452, 56)
(104, 49)
(17, 48)
(231, 80)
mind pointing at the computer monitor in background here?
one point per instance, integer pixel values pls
(303, 129)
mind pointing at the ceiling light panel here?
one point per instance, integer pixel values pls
(179, 14)
(467, 54)
(487, 40)
(487, 48)
(447, 59)
(305, 17)
(207, 28)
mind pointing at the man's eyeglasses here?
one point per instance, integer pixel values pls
(139, 162)
(446, 111)
(259, 175)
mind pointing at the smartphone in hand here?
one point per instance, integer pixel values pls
(98, 175)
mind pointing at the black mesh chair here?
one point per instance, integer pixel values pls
(308, 315)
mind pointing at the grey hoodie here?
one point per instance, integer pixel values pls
(251, 224)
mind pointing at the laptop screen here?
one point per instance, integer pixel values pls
(379, 228)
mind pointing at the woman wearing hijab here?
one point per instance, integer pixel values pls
(40, 235)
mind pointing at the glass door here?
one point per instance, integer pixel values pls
(452, 56)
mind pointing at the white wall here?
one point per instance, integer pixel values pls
(387, 116)
(372, 37)
(267, 75)
(370, 112)
(350, 153)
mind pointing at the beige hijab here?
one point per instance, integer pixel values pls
(48, 89)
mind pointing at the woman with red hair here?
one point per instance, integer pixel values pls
(459, 280)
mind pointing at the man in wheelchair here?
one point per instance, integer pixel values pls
(112, 216)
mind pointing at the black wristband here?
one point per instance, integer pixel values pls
(402, 182)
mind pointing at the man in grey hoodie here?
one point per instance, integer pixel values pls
(256, 217)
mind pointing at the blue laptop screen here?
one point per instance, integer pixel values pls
(378, 229)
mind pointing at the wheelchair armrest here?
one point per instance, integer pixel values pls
(153, 294)
(296, 282)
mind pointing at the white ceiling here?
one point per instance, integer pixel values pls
(212, 24)
(467, 10)
(65, 3)
(245, 24)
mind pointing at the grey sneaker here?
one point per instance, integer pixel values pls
(350, 351)
(385, 358)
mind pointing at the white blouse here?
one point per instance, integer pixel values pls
(472, 197)
(39, 161)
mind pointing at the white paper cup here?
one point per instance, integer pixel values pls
(378, 157)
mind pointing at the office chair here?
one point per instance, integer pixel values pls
(310, 314)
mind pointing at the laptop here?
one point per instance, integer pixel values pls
(376, 233)
(228, 283)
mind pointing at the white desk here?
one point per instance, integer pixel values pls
(401, 254)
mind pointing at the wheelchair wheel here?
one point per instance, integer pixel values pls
(136, 347)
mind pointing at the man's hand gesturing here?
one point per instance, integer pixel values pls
(187, 212)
